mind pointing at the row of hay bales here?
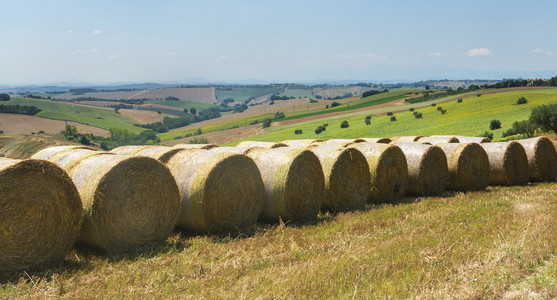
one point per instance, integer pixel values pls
(134, 195)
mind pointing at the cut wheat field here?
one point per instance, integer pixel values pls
(492, 244)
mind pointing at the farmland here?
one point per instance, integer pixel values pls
(12, 124)
(493, 244)
(471, 117)
(201, 94)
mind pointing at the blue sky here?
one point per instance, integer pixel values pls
(276, 41)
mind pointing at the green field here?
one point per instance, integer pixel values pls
(102, 118)
(182, 104)
(471, 117)
(298, 91)
(244, 93)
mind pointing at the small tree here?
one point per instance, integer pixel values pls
(411, 109)
(344, 124)
(368, 120)
(544, 117)
(85, 140)
(525, 127)
(298, 131)
(335, 104)
(4, 97)
(390, 113)
(494, 124)
(418, 115)
(267, 122)
(487, 134)
(433, 104)
(521, 100)
(193, 111)
(393, 118)
(459, 101)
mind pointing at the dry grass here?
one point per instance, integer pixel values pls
(23, 124)
(475, 245)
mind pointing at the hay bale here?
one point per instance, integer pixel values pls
(47, 153)
(468, 166)
(347, 177)
(160, 153)
(377, 140)
(40, 213)
(269, 145)
(128, 150)
(413, 138)
(220, 191)
(294, 183)
(196, 146)
(542, 158)
(472, 139)
(342, 142)
(300, 143)
(427, 169)
(435, 140)
(388, 170)
(127, 201)
(508, 163)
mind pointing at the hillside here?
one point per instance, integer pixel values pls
(22, 146)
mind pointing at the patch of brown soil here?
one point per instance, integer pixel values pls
(143, 116)
(14, 124)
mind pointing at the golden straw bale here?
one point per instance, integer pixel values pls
(196, 146)
(160, 153)
(377, 140)
(300, 143)
(388, 170)
(40, 213)
(468, 166)
(128, 201)
(220, 191)
(269, 145)
(473, 139)
(347, 176)
(434, 140)
(508, 163)
(413, 138)
(542, 158)
(427, 169)
(47, 153)
(128, 150)
(342, 142)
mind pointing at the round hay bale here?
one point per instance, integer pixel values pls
(542, 158)
(468, 166)
(347, 177)
(300, 143)
(196, 146)
(427, 169)
(40, 213)
(128, 150)
(413, 138)
(294, 183)
(269, 145)
(220, 191)
(388, 170)
(127, 201)
(377, 140)
(160, 153)
(473, 139)
(508, 163)
(342, 142)
(47, 153)
(434, 140)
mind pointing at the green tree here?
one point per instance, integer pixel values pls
(70, 132)
(521, 100)
(344, 124)
(193, 111)
(494, 124)
(4, 97)
(267, 122)
(545, 117)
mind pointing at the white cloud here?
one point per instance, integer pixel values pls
(94, 50)
(70, 31)
(433, 54)
(479, 52)
(96, 31)
(351, 56)
(221, 57)
(170, 54)
(541, 51)
(115, 55)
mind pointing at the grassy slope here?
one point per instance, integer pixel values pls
(244, 93)
(474, 245)
(182, 104)
(98, 117)
(471, 117)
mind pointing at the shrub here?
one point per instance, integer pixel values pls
(521, 100)
(411, 109)
(509, 132)
(544, 117)
(198, 131)
(335, 104)
(344, 124)
(433, 104)
(198, 140)
(1, 131)
(390, 113)
(487, 134)
(298, 131)
(279, 115)
(267, 122)
(439, 108)
(42, 131)
(326, 124)
(368, 120)
(459, 101)
(494, 124)
(443, 111)
(393, 119)
(327, 106)
(255, 122)
(418, 115)
(478, 95)
(320, 129)
(525, 127)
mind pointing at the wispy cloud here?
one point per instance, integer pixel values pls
(541, 51)
(97, 31)
(70, 31)
(222, 57)
(81, 51)
(433, 54)
(479, 52)
(352, 56)
(115, 55)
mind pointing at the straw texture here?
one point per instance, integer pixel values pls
(196, 146)
(508, 163)
(347, 176)
(435, 140)
(542, 159)
(427, 169)
(388, 170)
(128, 150)
(471, 139)
(468, 166)
(413, 138)
(300, 143)
(377, 140)
(269, 145)
(40, 214)
(160, 153)
(220, 191)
